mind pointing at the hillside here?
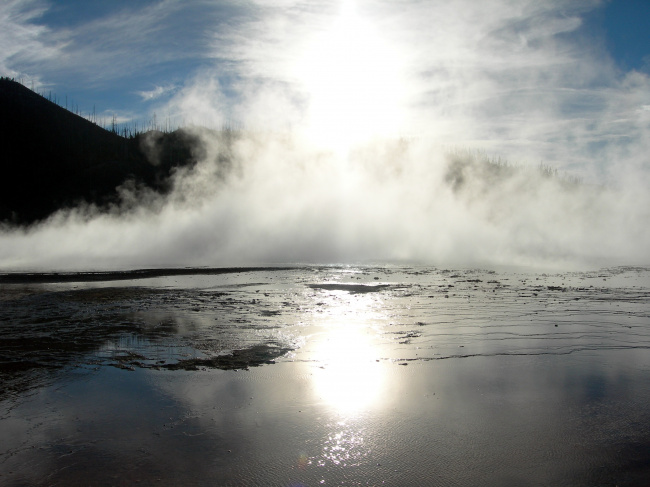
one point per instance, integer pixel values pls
(53, 158)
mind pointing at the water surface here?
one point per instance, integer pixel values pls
(351, 375)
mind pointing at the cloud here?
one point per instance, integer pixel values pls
(22, 40)
(125, 42)
(118, 46)
(155, 93)
(109, 116)
(520, 79)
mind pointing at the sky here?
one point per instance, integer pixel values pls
(376, 95)
(469, 73)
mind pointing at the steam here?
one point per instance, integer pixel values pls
(279, 200)
(385, 155)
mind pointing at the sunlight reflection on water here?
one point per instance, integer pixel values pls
(344, 446)
(349, 378)
(507, 373)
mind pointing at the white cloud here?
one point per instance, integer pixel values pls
(22, 40)
(118, 46)
(155, 93)
(517, 78)
(121, 44)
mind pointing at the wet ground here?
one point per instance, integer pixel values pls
(325, 376)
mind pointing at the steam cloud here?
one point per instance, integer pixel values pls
(368, 150)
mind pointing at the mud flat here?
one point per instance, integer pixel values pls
(326, 376)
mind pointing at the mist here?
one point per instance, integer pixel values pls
(370, 134)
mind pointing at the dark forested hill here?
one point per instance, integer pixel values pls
(51, 158)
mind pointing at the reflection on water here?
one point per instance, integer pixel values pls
(348, 377)
(344, 447)
(510, 379)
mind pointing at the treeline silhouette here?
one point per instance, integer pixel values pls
(53, 158)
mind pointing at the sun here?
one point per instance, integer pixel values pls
(351, 76)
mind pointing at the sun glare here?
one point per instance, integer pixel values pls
(351, 77)
(350, 377)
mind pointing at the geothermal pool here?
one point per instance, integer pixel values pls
(326, 375)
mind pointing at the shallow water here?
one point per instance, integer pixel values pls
(326, 376)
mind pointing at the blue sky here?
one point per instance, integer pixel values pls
(624, 24)
(561, 79)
